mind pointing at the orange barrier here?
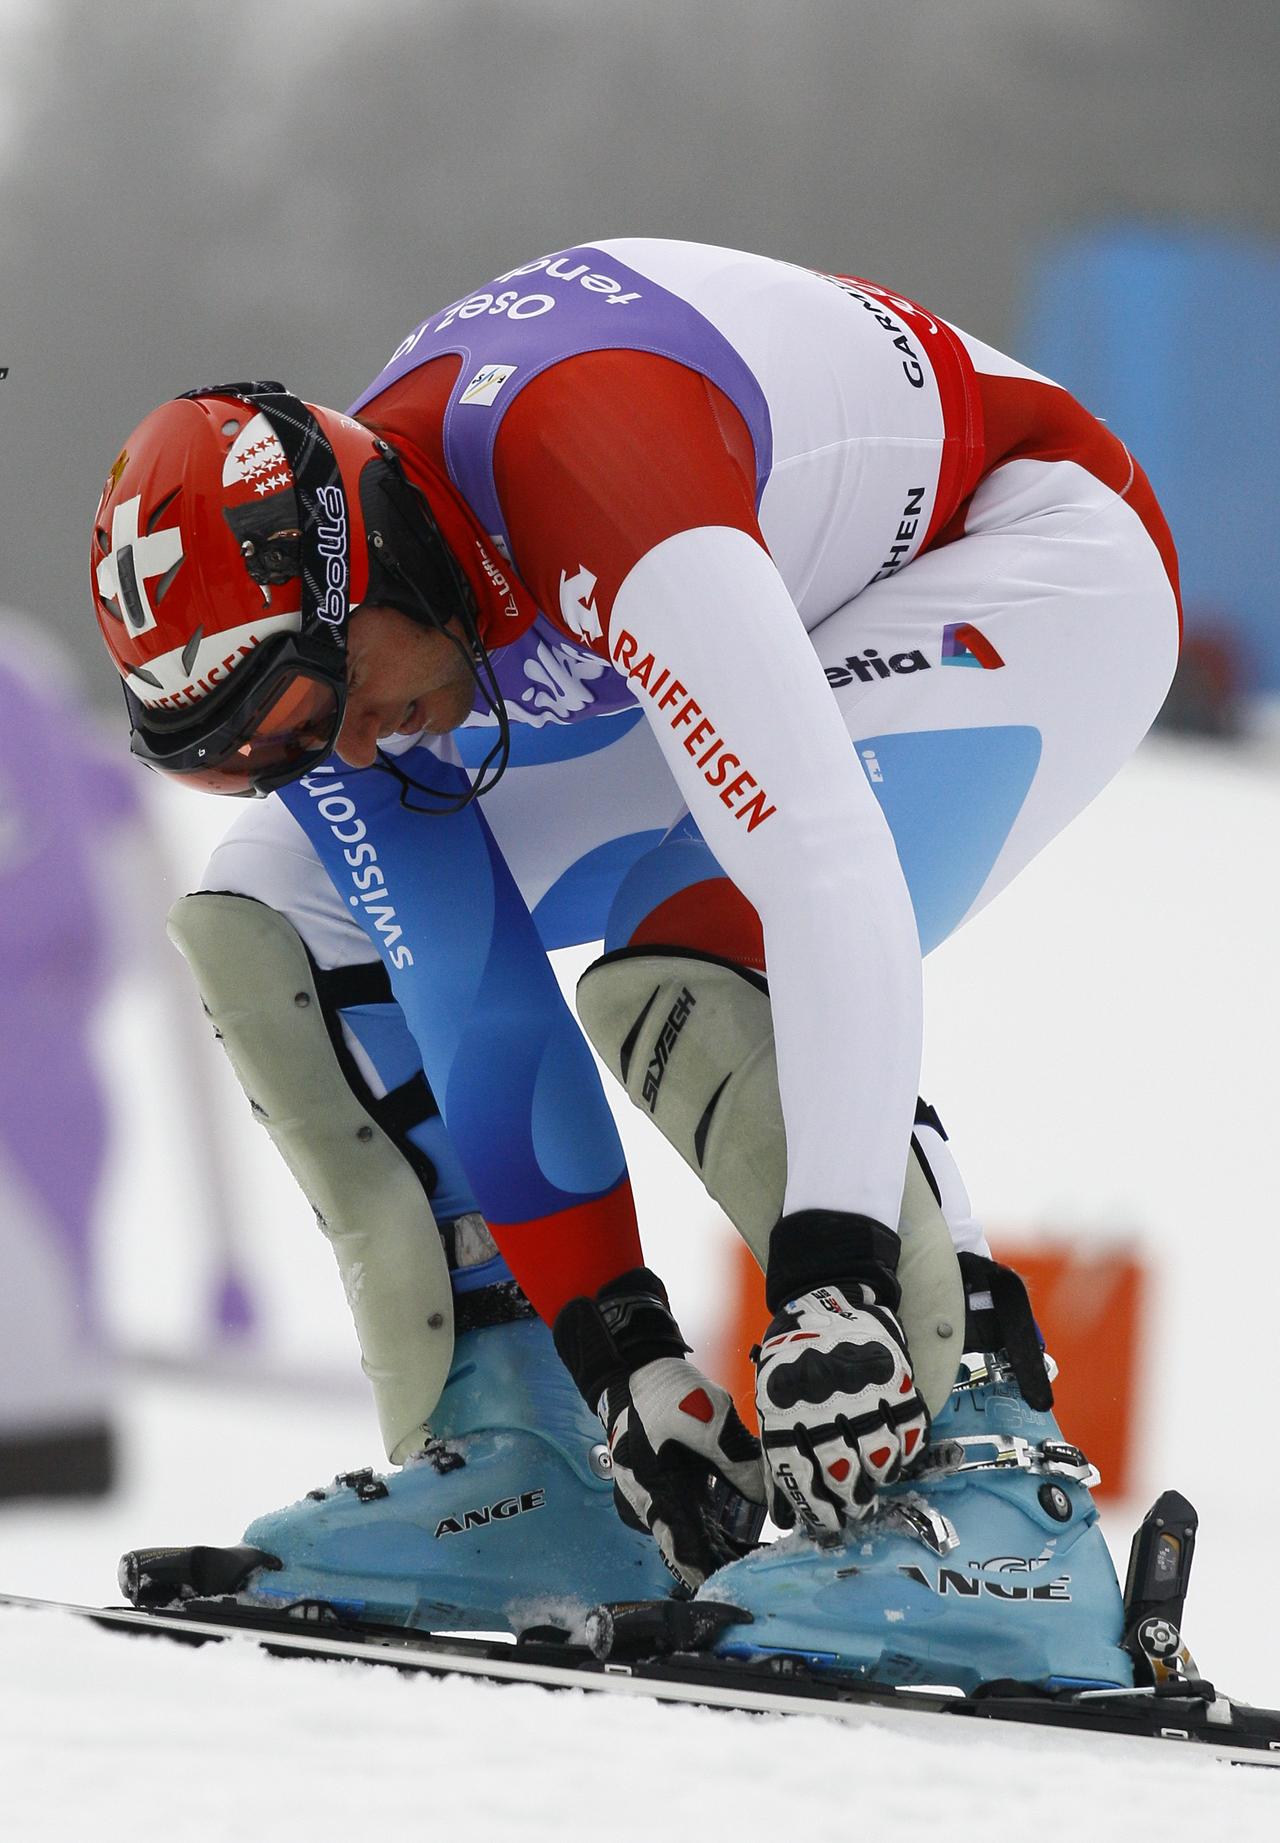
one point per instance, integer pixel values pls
(746, 1316)
(1088, 1302)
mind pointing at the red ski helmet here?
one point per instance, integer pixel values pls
(228, 549)
(238, 529)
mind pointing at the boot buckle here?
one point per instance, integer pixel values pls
(978, 1368)
(1011, 1452)
(1063, 1460)
(937, 1532)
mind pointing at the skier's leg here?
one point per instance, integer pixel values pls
(334, 1074)
(690, 1037)
(352, 1151)
(932, 1144)
(516, 1084)
(981, 736)
(997, 684)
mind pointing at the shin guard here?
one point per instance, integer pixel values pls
(690, 1037)
(259, 988)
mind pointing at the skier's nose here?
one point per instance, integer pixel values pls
(358, 738)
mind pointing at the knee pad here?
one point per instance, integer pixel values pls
(259, 989)
(690, 1037)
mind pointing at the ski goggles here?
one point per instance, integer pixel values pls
(277, 717)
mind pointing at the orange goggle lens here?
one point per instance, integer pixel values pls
(298, 726)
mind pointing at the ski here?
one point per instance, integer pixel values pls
(1191, 1715)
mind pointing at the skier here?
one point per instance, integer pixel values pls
(800, 621)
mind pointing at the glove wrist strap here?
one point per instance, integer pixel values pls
(1007, 1324)
(627, 1324)
(825, 1247)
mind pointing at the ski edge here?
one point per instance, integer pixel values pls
(699, 1681)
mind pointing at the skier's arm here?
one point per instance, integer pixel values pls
(642, 474)
(751, 732)
(638, 471)
(749, 728)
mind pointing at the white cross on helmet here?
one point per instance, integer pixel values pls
(124, 571)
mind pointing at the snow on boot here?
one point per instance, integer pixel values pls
(506, 1521)
(989, 1564)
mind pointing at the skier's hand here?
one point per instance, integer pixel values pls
(840, 1414)
(669, 1430)
(677, 1444)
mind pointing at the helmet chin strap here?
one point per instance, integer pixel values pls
(409, 599)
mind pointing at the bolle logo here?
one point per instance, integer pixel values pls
(668, 1036)
(867, 666)
(486, 1515)
(331, 540)
(373, 899)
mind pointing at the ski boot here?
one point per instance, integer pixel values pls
(987, 1566)
(505, 1522)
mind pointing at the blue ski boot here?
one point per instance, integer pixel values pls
(988, 1565)
(505, 1522)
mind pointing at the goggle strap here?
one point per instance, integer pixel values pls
(322, 502)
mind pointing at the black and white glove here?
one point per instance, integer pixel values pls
(681, 1454)
(840, 1414)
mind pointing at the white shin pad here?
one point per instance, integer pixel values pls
(690, 1038)
(256, 983)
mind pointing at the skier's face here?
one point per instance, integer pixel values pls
(401, 678)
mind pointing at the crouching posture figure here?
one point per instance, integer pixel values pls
(777, 599)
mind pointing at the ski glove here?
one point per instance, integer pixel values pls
(684, 1466)
(840, 1414)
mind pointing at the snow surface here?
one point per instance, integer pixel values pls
(215, 1744)
(127, 1741)
(230, 1746)
(1101, 1045)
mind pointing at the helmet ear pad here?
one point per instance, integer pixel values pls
(411, 568)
